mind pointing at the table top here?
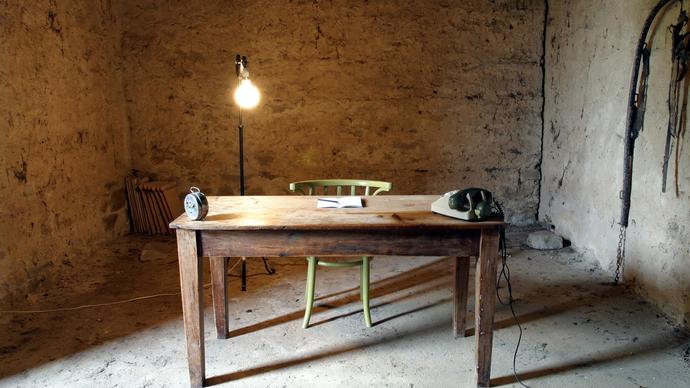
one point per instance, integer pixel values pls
(293, 212)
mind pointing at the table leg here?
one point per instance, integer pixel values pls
(219, 288)
(485, 303)
(461, 278)
(191, 282)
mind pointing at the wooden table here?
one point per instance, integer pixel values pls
(292, 226)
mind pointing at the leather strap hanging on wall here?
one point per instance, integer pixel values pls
(678, 87)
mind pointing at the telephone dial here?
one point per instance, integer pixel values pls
(471, 204)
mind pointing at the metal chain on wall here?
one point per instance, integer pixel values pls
(620, 254)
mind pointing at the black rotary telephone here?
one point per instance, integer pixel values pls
(471, 204)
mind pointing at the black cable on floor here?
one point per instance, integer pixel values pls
(505, 274)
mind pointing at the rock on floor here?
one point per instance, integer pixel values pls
(544, 240)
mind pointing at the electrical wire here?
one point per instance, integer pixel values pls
(104, 304)
(505, 274)
(90, 305)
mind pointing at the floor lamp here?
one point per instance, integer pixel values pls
(247, 97)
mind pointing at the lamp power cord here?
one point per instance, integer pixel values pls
(80, 307)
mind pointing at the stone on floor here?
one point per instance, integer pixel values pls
(544, 240)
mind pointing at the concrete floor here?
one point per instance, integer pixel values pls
(578, 332)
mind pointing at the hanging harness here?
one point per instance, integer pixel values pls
(676, 106)
(637, 100)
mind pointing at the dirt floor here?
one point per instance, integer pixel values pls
(578, 331)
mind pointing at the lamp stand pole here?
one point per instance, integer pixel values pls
(240, 128)
(239, 64)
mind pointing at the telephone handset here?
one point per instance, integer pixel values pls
(471, 204)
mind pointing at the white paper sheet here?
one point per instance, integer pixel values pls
(339, 202)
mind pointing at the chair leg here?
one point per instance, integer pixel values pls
(364, 289)
(311, 280)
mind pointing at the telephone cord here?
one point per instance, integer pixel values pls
(505, 274)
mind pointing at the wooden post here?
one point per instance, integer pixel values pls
(191, 283)
(485, 303)
(219, 288)
(461, 278)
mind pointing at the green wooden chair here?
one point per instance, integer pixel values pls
(339, 187)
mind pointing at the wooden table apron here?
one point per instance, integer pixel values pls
(197, 240)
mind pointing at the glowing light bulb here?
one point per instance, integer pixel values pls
(247, 95)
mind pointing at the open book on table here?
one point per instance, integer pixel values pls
(339, 202)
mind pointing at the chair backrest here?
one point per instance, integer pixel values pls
(335, 187)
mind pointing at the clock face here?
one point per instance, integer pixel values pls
(191, 207)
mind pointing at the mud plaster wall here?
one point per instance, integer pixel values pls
(590, 47)
(64, 147)
(431, 95)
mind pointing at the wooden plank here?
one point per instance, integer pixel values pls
(158, 199)
(461, 279)
(219, 288)
(169, 217)
(145, 228)
(191, 280)
(151, 227)
(160, 188)
(136, 205)
(162, 219)
(485, 304)
(132, 206)
(300, 213)
(148, 208)
(174, 201)
(287, 243)
(166, 217)
(152, 207)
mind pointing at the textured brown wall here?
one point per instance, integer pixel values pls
(64, 146)
(431, 95)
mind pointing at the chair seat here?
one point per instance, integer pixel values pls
(344, 262)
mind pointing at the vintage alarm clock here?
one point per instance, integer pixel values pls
(195, 204)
